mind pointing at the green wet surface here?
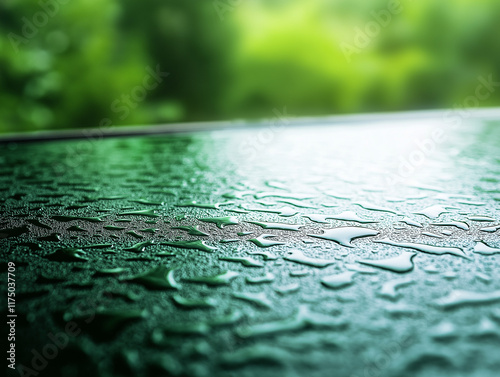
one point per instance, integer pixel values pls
(198, 254)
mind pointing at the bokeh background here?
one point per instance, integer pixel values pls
(74, 63)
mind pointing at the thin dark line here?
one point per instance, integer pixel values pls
(123, 131)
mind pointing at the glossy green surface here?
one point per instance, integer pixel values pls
(360, 250)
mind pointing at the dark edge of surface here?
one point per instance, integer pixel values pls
(448, 115)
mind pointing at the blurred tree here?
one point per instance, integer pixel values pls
(78, 64)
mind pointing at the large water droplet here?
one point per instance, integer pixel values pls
(438, 250)
(457, 298)
(245, 261)
(401, 263)
(345, 235)
(159, 277)
(263, 241)
(339, 280)
(299, 257)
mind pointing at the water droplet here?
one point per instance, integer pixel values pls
(244, 233)
(337, 195)
(147, 202)
(401, 263)
(283, 211)
(374, 207)
(471, 203)
(438, 250)
(411, 222)
(52, 237)
(259, 299)
(295, 196)
(429, 234)
(194, 203)
(197, 328)
(67, 255)
(148, 230)
(194, 303)
(192, 230)
(435, 211)
(486, 329)
(267, 278)
(444, 330)
(482, 248)
(144, 212)
(220, 279)
(299, 257)
(287, 289)
(197, 245)
(345, 235)
(66, 219)
(299, 273)
(134, 234)
(139, 247)
(221, 222)
(402, 310)
(389, 288)
(263, 241)
(457, 298)
(228, 319)
(76, 228)
(480, 218)
(245, 261)
(317, 218)
(339, 280)
(458, 224)
(483, 277)
(159, 277)
(490, 229)
(110, 271)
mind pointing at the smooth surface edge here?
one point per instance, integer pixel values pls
(121, 131)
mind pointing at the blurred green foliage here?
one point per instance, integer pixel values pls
(74, 63)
